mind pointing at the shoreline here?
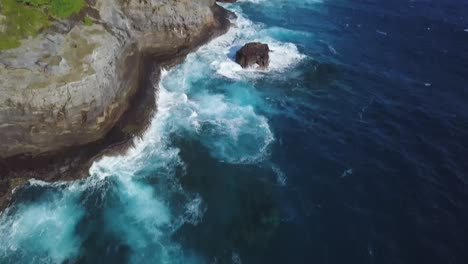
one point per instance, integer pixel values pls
(73, 163)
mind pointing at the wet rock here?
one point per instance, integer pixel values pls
(252, 54)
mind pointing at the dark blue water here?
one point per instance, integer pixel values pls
(350, 149)
(395, 115)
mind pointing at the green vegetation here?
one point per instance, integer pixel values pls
(57, 8)
(20, 19)
(88, 21)
(65, 8)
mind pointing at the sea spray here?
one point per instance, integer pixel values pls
(41, 231)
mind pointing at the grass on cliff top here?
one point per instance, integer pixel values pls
(88, 21)
(57, 8)
(20, 19)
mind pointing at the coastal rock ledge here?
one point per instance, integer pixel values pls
(70, 84)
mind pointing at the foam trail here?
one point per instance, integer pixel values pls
(281, 178)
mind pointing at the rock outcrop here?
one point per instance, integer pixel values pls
(69, 85)
(252, 54)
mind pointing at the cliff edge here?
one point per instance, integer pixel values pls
(68, 85)
(74, 82)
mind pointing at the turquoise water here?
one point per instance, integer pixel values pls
(344, 150)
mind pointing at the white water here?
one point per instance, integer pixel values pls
(282, 56)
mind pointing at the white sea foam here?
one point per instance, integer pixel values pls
(251, 1)
(280, 175)
(282, 55)
(194, 210)
(233, 133)
(41, 232)
(273, 2)
(276, 2)
(143, 217)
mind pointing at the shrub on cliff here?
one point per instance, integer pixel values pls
(20, 19)
(57, 8)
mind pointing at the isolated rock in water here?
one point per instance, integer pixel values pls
(254, 53)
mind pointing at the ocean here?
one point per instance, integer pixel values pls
(350, 148)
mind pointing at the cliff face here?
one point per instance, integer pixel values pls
(70, 84)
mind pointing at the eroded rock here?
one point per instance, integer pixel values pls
(254, 54)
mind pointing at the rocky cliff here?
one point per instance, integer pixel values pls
(70, 84)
